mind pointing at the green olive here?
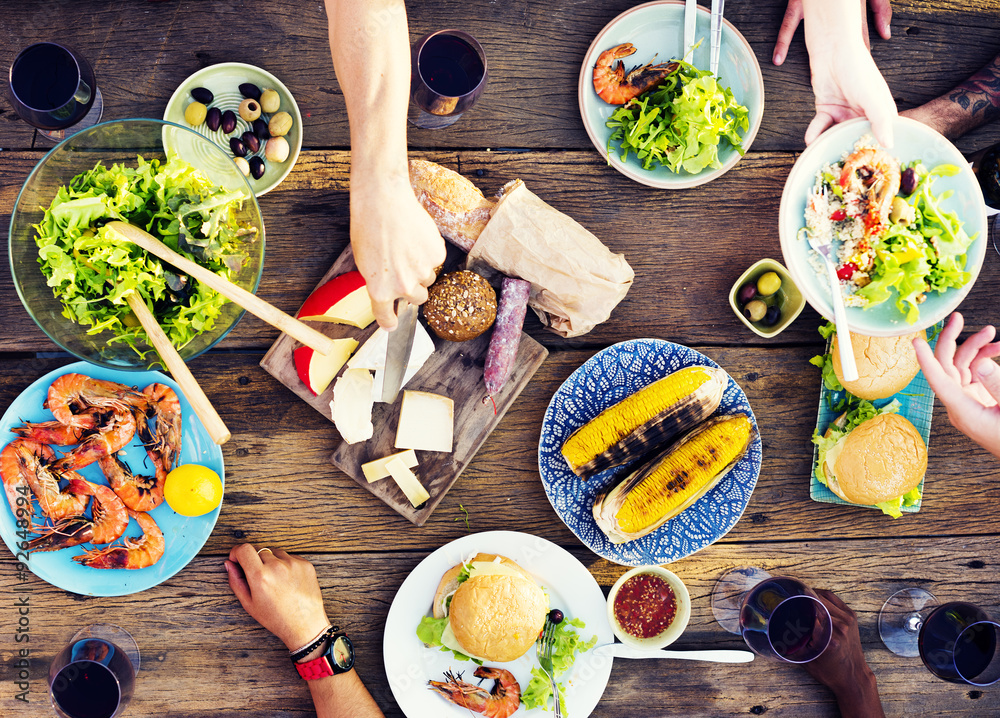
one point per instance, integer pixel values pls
(755, 310)
(131, 320)
(901, 212)
(195, 113)
(768, 284)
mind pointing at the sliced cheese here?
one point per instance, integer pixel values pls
(352, 405)
(375, 470)
(372, 356)
(407, 481)
(426, 422)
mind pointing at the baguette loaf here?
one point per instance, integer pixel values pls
(457, 207)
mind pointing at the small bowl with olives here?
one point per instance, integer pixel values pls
(249, 113)
(766, 299)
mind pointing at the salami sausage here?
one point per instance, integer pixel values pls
(506, 332)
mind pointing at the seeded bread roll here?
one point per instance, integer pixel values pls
(460, 306)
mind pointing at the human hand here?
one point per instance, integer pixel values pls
(280, 591)
(966, 380)
(793, 16)
(396, 244)
(842, 667)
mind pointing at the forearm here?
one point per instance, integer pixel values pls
(973, 103)
(370, 44)
(830, 26)
(343, 696)
(860, 699)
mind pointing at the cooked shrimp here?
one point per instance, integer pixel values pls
(139, 493)
(873, 174)
(14, 483)
(110, 519)
(165, 407)
(72, 397)
(34, 461)
(51, 432)
(136, 553)
(112, 436)
(501, 702)
(616, 87)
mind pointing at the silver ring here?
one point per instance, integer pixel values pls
(260, 550)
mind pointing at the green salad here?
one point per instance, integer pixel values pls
(91, 272)
(681, 123)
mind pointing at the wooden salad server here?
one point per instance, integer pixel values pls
(238, 295)
(213, 423)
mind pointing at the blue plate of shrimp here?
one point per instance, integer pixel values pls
(183, 536)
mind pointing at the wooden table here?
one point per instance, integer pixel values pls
(203, 656)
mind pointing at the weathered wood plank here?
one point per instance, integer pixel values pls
(687, 248)
(193, 634)
(534, 52)
(282, 490)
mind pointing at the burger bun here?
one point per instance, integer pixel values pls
(885, 364)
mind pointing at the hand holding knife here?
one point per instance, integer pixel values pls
(398, 349)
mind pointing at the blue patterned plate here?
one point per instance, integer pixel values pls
(603, 380)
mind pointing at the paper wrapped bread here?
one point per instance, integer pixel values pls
(575, 280)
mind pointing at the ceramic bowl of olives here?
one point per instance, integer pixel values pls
(246, 111)
(766, 299)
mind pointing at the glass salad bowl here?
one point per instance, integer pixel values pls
(123, 142)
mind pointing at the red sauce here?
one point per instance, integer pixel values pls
(645, 606)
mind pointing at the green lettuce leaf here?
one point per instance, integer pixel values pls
(429, 631)
(567, 643)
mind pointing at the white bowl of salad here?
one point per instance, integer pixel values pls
(907, 226)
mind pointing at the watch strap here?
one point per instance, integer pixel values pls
(316, 668)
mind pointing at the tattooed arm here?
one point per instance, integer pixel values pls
(973, 103)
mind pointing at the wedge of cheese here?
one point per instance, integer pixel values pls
(372, 356)
(375, 470)
(352, 405)
(426, 422)
(407, 481)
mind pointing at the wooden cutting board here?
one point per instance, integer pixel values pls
(454, 370)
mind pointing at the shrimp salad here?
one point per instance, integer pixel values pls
(890, 230)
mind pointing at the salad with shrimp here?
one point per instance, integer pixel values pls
(891, 231)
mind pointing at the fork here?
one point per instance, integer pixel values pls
(543, 650)
(822, 245)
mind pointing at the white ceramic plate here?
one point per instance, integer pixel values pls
(570, 587)
(224, 81)
(913, 141)
(657, 28)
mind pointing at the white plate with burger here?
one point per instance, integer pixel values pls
(496, 610)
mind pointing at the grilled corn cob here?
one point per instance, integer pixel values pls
(660, 490)
(645, 420)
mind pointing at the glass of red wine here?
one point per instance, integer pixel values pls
(957, 641)
(53, 89)
(94, 675)
(448, 74)
(779, 617)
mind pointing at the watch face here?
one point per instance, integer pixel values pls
(342, 653)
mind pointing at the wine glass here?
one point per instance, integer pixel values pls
(54, 89)
(94, 675)
(957, 641)
(780, 617)
(448, 75)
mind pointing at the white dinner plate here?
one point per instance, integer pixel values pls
(409, 664)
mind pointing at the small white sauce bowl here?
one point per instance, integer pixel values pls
(682, 613)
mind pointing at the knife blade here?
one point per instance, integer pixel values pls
(620, 650)
(690, 21)
(397, 351)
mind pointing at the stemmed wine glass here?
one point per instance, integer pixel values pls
(448, 75)
(54, 89)
(94, 675)
(957, 641)
(780, 617)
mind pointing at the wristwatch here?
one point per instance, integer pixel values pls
(337, 658)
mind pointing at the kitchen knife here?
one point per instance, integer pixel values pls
(620, 650)
(690, 21)
(397, 351)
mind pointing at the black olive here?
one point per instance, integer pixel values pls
(772, 316)
(214, 118)
(256, 167)
(908, 181)
(250, 90)
(260, 129)
(237, 147)
(175, 282)
(556, 616)
(203, 95)
(228, 121)
(251, 142)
